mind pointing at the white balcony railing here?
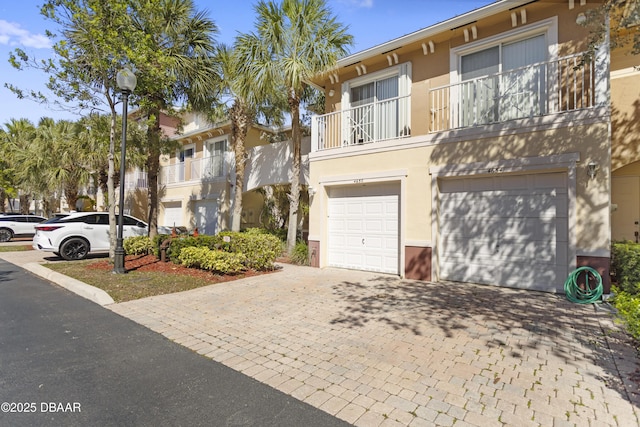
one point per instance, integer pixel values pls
(193, 170)
(377, 121)
(535, 90)
(136, 179)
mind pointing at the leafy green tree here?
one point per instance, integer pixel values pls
(294, 40)
(95, 42)
(94, 136)
(172, 53)
(617, 19)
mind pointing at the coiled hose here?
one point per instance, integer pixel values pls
(586, 294)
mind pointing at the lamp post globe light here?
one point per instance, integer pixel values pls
(126, 82)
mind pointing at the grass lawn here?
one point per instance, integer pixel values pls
(146, 276)
(16, 248)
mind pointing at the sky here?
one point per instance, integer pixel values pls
(371, 22)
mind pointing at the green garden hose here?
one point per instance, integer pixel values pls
(586, 294)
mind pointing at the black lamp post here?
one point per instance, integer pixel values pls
(126, 81)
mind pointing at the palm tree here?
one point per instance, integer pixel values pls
(65, 157)
(94, 45)
(173, 57)
(247, 105)
(294, 41)
(18, 144)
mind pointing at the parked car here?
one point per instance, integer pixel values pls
(18, 226)
(79, 234)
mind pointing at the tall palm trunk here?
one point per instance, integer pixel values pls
(71, 194)
(239, 128)
(153, 169)
(24, 203)
(294, 195)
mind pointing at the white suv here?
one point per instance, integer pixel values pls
(76, 235)
(18, 225)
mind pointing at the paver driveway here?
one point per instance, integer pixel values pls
(377, 350)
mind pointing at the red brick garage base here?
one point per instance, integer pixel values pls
(417, 263)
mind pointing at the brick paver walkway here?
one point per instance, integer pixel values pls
(375, 350)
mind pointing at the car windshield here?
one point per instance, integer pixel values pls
(53, 219)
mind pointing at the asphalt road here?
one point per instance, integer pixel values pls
(67, 361)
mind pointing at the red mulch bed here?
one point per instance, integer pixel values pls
(149, 263)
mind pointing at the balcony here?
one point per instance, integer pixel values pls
(135, 179)
(201, 169)
(536, 90)
(378, 121)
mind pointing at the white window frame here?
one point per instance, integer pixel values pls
(208, 154)
(405, 81)
(181, 165)
(549, 27)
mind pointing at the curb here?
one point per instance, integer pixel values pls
(80, 288)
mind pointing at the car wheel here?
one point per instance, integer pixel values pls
(74, 249)
(5, 234)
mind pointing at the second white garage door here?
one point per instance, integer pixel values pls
(172, 214)
(505, 230)
(363, 228)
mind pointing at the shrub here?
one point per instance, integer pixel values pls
(280, 233)
(261, 250)
(212, 260)
(628, 307)
(300, 254)
(157, 242)
(625, 265)
(137, 245)
(179, 243)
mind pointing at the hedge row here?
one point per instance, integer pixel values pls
(254, 250)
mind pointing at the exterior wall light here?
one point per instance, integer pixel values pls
(592, 169)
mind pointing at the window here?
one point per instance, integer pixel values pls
(503, 82)
(214, 164)
(127, 220)
(185, 155)
(377, 106)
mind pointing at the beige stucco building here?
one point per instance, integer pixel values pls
(478, 150)
(197, 182)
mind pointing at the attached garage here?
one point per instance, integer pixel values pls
(363, 227)
(172, 214)
(507, 230)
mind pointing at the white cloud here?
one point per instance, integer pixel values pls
(13, 34)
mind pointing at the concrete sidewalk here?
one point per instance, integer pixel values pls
(375, 350)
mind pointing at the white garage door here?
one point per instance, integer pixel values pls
(505, 230)
(363, 228)
(206, 216)
(172, 214)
